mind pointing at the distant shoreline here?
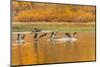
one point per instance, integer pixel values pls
(53, 22)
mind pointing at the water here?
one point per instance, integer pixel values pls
(43, 51)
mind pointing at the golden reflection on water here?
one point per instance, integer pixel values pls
(42, 51)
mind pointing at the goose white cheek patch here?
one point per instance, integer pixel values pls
(82, 2)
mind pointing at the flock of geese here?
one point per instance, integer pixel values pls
(37, 36)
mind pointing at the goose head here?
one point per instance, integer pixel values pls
(36, 30)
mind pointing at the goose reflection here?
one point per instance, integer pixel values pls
(36, 46)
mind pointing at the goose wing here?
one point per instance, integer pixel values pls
(67, 34)
(23, 36)
(43, 35)
(74, 33)
(35, 35)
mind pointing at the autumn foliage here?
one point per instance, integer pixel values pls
(45, 12)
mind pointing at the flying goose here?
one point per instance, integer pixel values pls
(70, 37)
(37, 34)
(53, 35)
(20, 38)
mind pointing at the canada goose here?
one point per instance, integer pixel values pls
(53, 35)
(70, 37)
(20, 38)
(37, 34)
(36, 30)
